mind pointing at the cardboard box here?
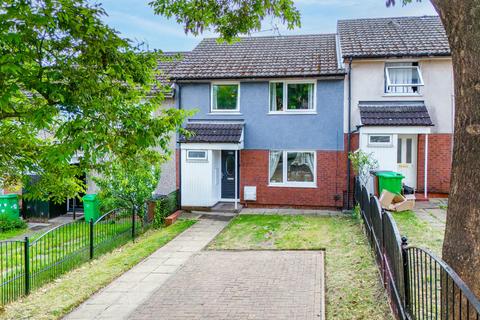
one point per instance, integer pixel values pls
(396, 202)
(386, 198)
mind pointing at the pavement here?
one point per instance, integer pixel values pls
(121, 297)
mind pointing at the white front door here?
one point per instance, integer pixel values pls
(407, 158)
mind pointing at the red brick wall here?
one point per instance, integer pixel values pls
(439, 162)
(331, 177)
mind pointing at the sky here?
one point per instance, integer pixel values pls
(135, 20)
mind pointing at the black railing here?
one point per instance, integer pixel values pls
(419, 284)
(28, 264)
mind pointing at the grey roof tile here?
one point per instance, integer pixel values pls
(394, 114)
(165, 67)
(257, 57)
(393, 37)
(213, 133)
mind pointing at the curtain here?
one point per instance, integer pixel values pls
(273, 97)
(400, 76)
(274, 160)
(305, 158)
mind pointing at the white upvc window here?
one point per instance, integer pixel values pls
(225, 97)
(403, 78)
(292, 96)
(293, 168)
(380, 140)
(197, 155)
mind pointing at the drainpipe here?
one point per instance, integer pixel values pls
(349, 132)
(425, 177)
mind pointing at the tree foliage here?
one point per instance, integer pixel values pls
(363, 163)
(71, 88)
(129, 184)
(229, 18)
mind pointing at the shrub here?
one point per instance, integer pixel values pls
(7, 223)
(164, 207)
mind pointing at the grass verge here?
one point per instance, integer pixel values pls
(58, 298)
(419, 232)
(352, 280)
(12, 233)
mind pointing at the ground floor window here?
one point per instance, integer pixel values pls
(197, 155)
(296, 168)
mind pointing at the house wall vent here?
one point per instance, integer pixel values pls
(250, 193)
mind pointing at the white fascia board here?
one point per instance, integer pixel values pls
(396, 129)
(212, 146)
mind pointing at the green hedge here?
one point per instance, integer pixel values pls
(165, 206)
(7, 223)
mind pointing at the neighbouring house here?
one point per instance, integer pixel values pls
(399, 93)
(167, 182)
(168, 175)
(268, 130)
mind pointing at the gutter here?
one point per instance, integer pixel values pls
(349, 132)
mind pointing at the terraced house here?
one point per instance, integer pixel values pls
(400, 96)
(269, 124)
(276, 116)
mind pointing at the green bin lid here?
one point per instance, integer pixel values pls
(9, 196)
(87, 197)
(389, 174)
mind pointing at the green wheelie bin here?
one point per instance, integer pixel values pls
(9, 206)
(390, 181)
(91, 207)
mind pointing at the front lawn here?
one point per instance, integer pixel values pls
(56, 299)
(352, 280)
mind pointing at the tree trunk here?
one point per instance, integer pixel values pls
(461, 248)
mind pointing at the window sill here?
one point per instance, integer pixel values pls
(223, 113)
(370, 145)
(283, 113)
(402, 95)
(293, 185)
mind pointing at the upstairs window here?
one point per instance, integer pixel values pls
(292, 96)
(403, 78)
(225, 97)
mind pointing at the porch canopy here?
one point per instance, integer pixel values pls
(397, 118)
(214, 135)
(394, 113)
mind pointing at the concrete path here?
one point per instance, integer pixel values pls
(119, 299)
(433, 212)
(240, 285)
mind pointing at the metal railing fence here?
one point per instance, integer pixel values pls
(419, 284)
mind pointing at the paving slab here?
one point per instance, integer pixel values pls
(241, 285)
(125, 294)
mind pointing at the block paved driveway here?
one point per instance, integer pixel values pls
(180, 281)
(241, 285)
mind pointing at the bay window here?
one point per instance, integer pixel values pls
(292, 168)
(225, 97)
(292, 96)
(403, 78)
